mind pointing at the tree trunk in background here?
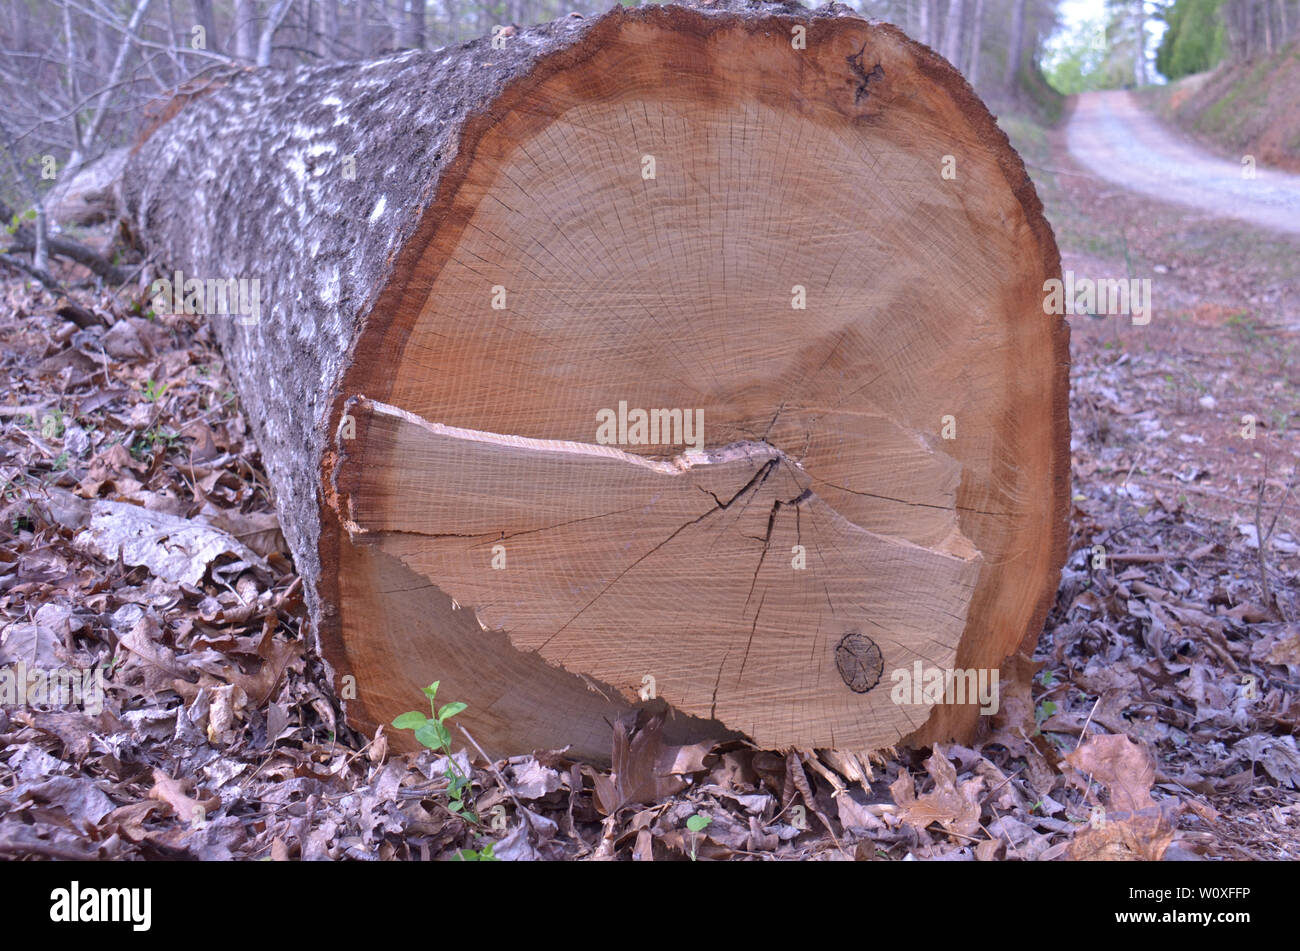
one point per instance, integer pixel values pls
(410, 31)
(473, 262)
(1140, 43)
(329, 28)
(72, 63)
(205, 17)
(1015, 50)
(89, 140)
(245, 29)
(266, 38)
(952, 32)
(977, 30)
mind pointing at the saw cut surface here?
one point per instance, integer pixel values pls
(694, 216)
(625, 567)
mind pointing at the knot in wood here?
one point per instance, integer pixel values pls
(859, 661)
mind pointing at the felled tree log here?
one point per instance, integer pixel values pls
(695, 352)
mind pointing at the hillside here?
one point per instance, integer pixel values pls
(1248, 108)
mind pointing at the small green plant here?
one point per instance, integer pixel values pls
(16, 222)
(150, 440)
(695, 825)
(1045, 710)
(433, 733)
(153, 390)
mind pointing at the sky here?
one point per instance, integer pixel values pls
(1073, 13)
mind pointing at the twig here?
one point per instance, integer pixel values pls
(1083, 734)
(43, 276)
(523, 810)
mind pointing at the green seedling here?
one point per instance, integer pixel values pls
(1045, 710)
(697, 824)
(432, 732)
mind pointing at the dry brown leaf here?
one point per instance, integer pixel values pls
(644, 768)
(175, 794)
(1015, 723)
(955, 806)
(1132, 826)
(1137, 838)
(227, 704)
(1125, 768)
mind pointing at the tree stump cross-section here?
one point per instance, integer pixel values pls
(846, 452)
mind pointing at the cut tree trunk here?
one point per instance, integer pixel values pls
(731, 218)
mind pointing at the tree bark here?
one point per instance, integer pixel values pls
(663, 207)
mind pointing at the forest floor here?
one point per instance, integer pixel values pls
(1165, 693)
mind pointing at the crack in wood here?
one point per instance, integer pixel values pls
(876, 74)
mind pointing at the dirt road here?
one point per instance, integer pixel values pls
(1114, 138)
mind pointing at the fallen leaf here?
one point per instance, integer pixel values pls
(955, 806)
(174, 549)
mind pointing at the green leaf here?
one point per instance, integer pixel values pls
(429, 736)
(698, 823)
(412, 720)
(444, 737)
(450, 710)
(431, 691)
